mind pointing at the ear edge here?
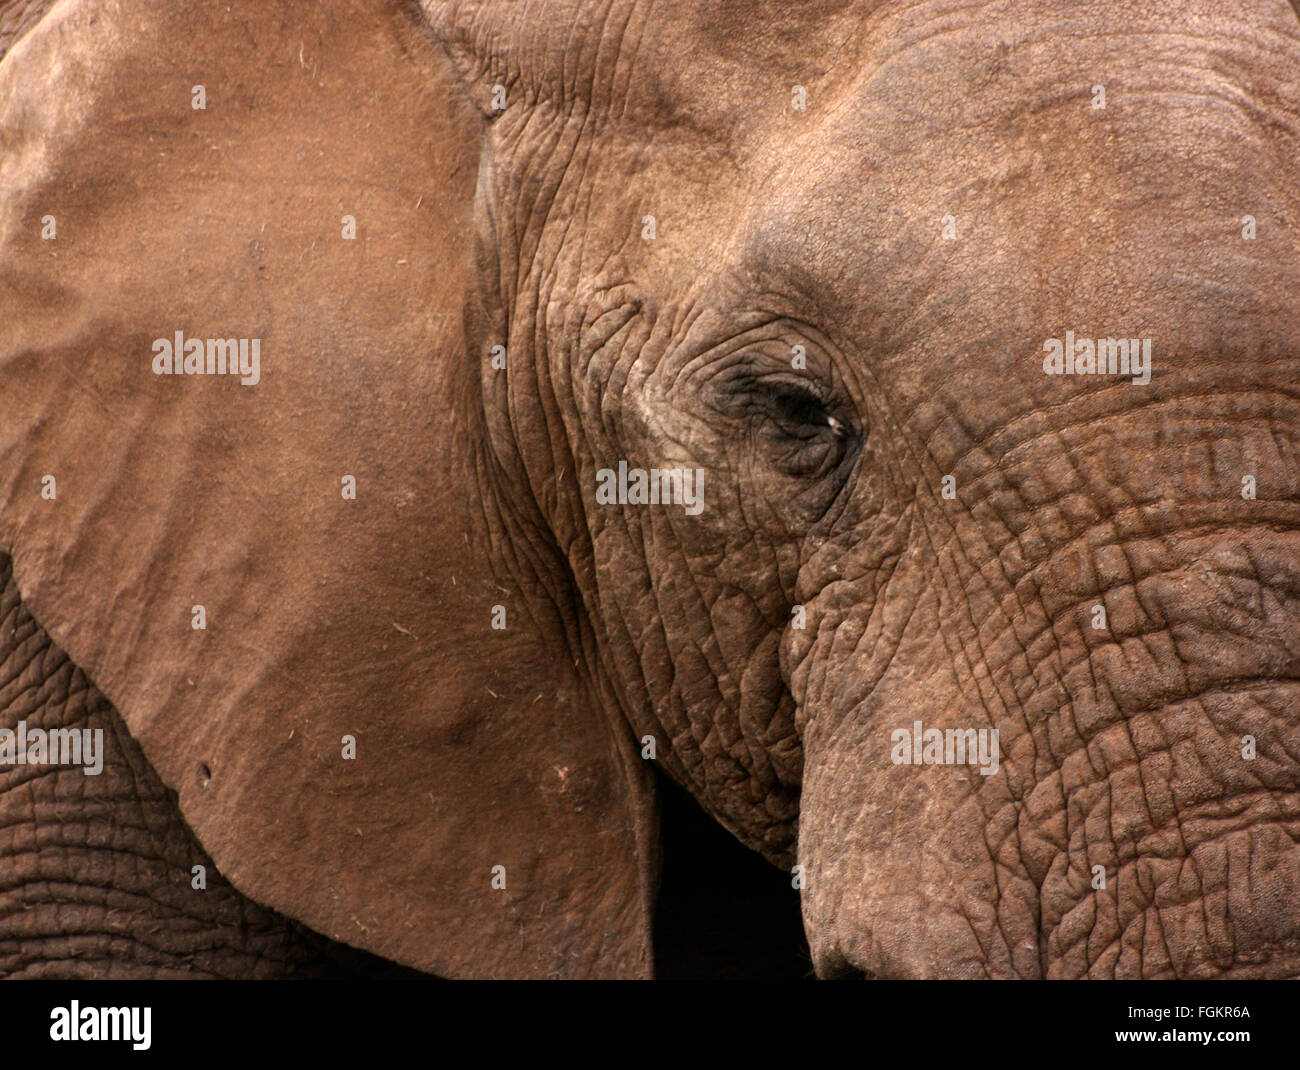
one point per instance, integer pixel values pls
(78, 570)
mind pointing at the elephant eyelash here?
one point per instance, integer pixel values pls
(797, 430)
(799, 405)
(797, 421)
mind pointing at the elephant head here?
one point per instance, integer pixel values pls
(880, 416)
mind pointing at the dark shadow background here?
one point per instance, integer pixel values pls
(724, 912)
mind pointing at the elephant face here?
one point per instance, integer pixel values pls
(879, 414)
(843, 316)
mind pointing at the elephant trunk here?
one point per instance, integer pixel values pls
(1097, 561)
(1074, 755)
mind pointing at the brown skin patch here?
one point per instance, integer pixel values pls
(653, 230)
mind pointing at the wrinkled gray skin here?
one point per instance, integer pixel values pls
(1121, 747)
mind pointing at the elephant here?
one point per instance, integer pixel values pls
(428, 429)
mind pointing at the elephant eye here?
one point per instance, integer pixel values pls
(799, 408)
(799, 431)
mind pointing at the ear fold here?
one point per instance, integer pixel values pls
(199, 163)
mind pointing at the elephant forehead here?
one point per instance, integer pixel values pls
(1007, 196)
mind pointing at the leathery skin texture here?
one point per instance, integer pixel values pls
(97, 878)
(960, 343)
(98, 871)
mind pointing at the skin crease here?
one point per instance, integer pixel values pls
(819, 227)
(127, 907)
(17, 17)
(775, 228)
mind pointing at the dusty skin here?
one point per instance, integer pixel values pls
(366, 647)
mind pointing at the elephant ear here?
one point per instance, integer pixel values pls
(298, 583)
